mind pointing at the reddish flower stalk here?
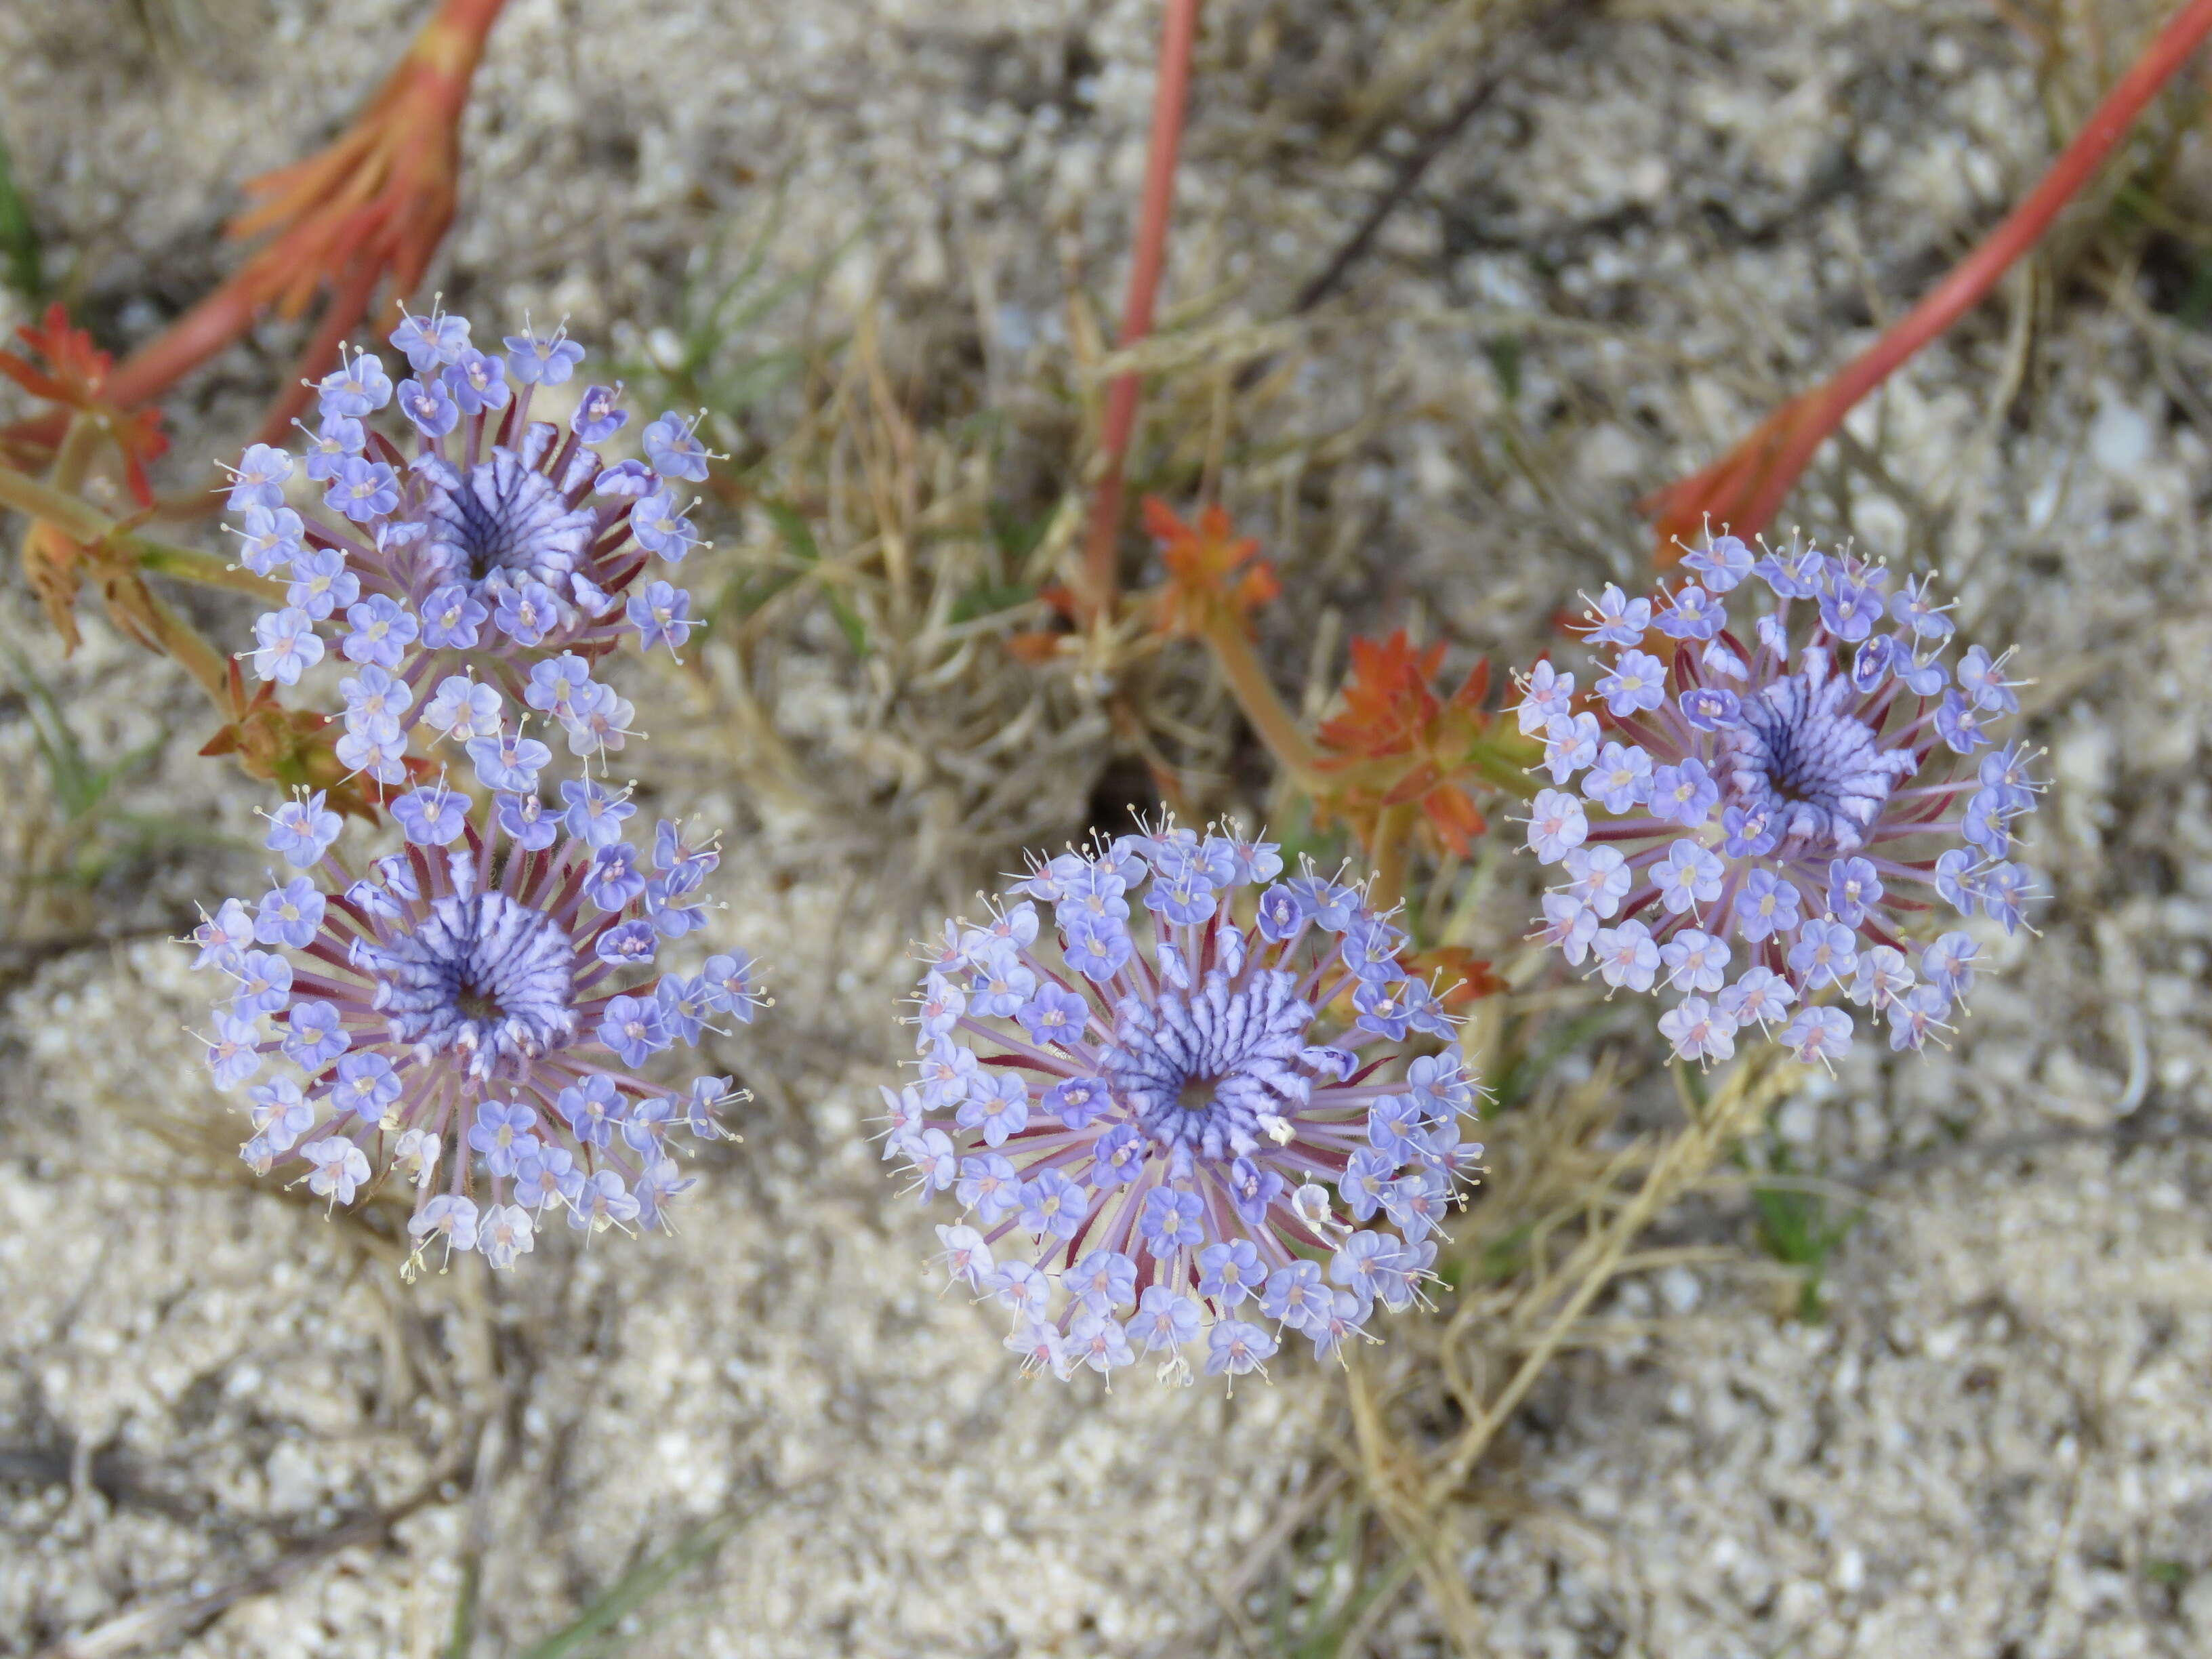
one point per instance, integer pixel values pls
(1215, 581)
(1170, 98)
(372, 207)
(1745, 488)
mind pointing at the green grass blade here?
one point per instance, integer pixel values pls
(77, 784)
(798, 537)
(463, 1641)
(1520, 1077)
(19, 247)
(638, 1586)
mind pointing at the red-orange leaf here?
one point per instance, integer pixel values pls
(1460, 976)
(1388, 706)
(1214, 577)
(76, 376)
(1396, 743)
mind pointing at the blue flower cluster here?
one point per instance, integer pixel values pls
(1807, 806)
(1167, 1127)
(499, 542)
(474, 1011)
(472, 1003)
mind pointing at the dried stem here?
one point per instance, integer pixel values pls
(1742, 1098)
(1170, 97)
(1747, 487)
(178, 640)
(121, 558)
(190, 565)
(27, 495)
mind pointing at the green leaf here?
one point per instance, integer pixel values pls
(77, 786)
(711, 366)
(100, 836)
(986, 597)
(1503, 351)
(1322, 1627)
(1799, 1229)
(797, 535)
(1017, 539)
(1504, 1256)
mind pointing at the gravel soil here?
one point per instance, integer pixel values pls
(1991, 1442)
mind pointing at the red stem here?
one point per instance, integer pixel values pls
(348, 306)
(1748, 486)
(206, 329)
(1178, 31)
(445, 52)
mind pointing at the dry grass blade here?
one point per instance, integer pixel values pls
(902, 530)
(1681, 1164)
(621, 1600)
(1559, 1219)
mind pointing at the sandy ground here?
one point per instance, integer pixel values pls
(1993, 1443)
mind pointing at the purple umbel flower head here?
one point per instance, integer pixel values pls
(474, 1013)
(1766, 830)
(479, 541)
(1165, 1116)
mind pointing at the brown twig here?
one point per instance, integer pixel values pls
(168, 1623)
(1541, 35)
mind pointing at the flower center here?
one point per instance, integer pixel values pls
(1201, 1073)
(475, 1004)
(1818, 772)
(1196, 1095)
(483, 976)
(505, 520)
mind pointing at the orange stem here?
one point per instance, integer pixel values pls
(346, 309)
(219, 318)
(1170, 98)
(1747, 487)
(444, 55)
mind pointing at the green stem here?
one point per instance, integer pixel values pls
(1507, 763)
(186, 646)
(189, 564)
(1394, 839)
(1255, 695)
(74, 459)
(83, 522)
